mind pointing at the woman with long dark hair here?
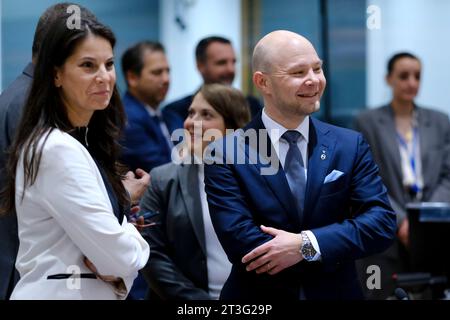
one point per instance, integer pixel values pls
(63, 179)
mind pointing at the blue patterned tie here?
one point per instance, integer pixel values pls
(295, 169)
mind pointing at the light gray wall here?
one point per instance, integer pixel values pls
(202, 18)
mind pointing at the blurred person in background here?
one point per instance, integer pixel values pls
(147, 143)
(216, 62)
(411, 145)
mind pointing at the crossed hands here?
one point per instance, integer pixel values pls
(117, 283)
(275, 255)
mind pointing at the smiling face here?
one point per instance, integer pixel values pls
(298, 87)
(404, 79)
(86, 80)
(201, 118)
(291, 80)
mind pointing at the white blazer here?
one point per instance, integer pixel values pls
(67, 215)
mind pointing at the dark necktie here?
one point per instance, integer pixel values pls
(163, 129)
(295, 169)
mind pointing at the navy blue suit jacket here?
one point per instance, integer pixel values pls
(351, 217)
(144, 145)
(12, 102)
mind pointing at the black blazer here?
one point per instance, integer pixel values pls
(177, 267)
(12, 101)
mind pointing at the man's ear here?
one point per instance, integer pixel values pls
(201, 66)
(132, 79)
(261, 82)
(388, 80)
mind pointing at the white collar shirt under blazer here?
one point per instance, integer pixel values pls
(66, 215)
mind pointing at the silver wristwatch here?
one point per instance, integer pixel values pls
(307, 248)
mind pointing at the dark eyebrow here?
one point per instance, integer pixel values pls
(88, 58)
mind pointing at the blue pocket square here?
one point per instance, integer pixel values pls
(333, 176)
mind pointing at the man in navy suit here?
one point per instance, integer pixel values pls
(216, 63)
(294, 219)
(12, 101)
(147, 142)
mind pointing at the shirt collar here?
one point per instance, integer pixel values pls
(276, 130)
(152, 112)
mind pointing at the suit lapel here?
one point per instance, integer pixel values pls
(142, 112)
(389, 132)
(191, 197)
(276, 181)
(321, 147)
(425, 136)
(151, 125)
(172, 121)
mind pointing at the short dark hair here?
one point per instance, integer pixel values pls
(202, 47)
(229, 102)
(396, 57)
(133, 58)
(50, 15)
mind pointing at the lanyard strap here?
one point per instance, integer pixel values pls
(411, 155)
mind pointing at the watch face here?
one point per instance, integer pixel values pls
(308, 251)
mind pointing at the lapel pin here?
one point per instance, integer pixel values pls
(323, 156)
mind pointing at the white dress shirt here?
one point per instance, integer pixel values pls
(219, 267)
(281, 146)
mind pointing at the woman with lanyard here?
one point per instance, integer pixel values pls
(411, 146)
